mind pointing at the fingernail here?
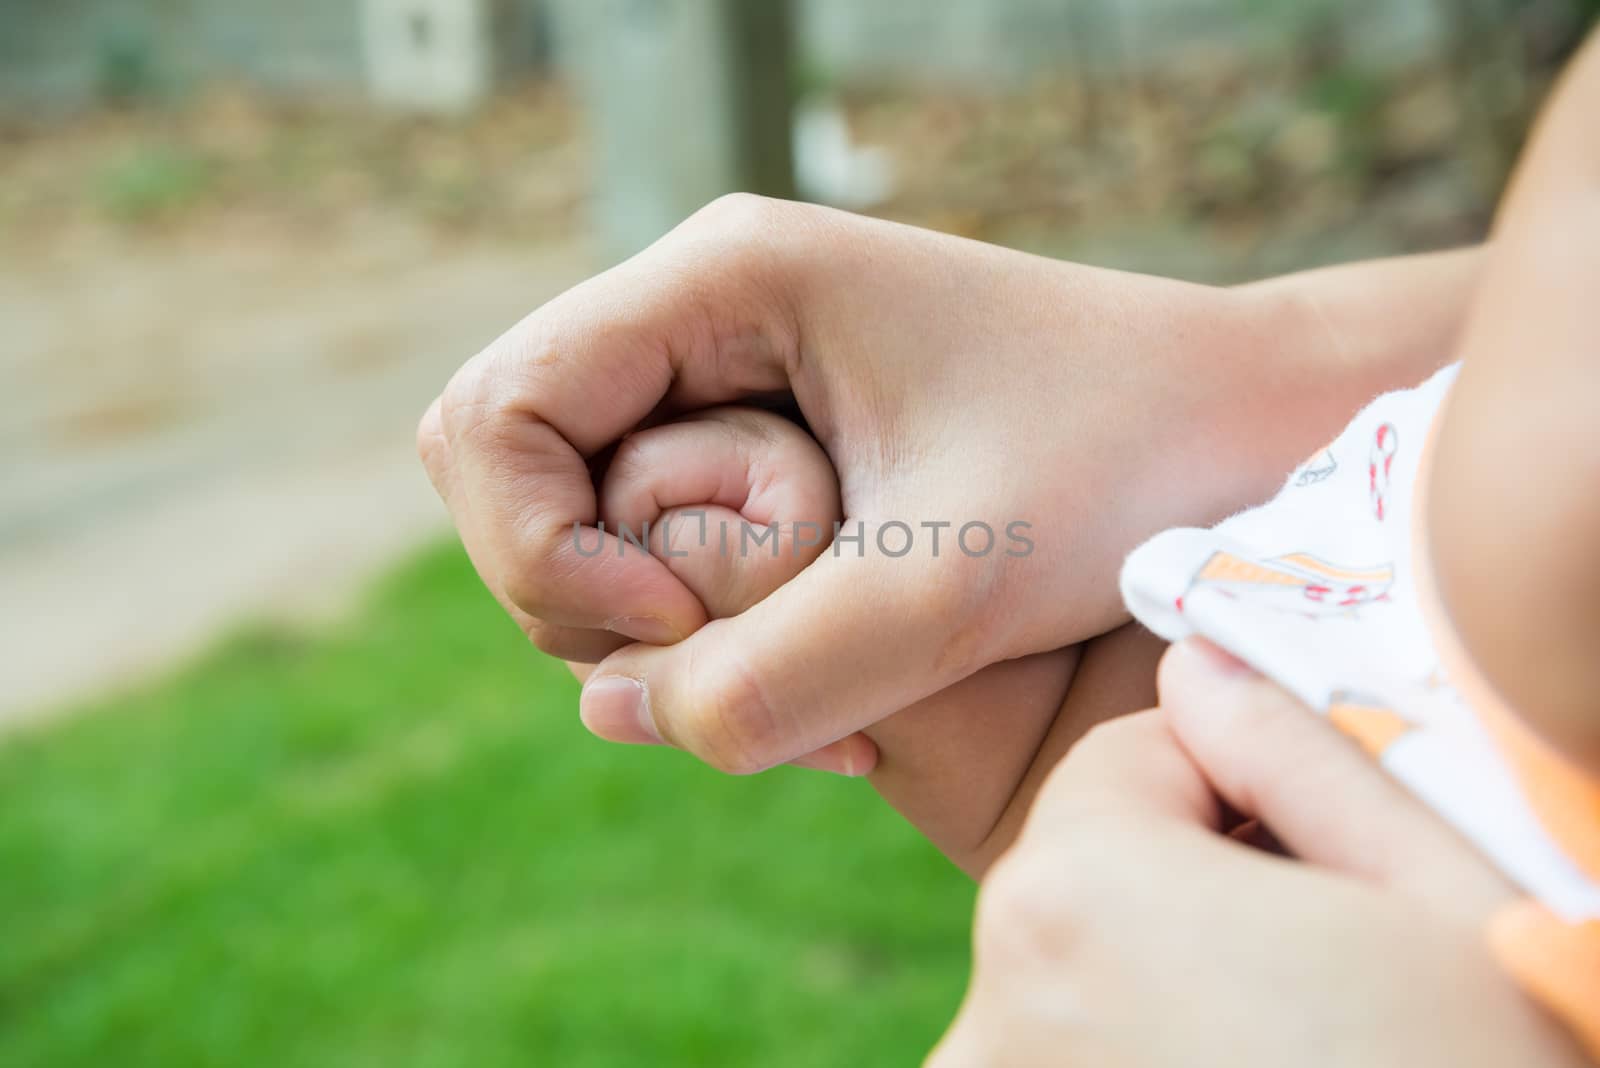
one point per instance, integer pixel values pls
(652, 629)
(1214, 659)
(617, 709)
(833, 763)
(852, 757)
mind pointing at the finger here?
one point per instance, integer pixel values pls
(575, 376)
(707, 547)
(1114, 675)
(1273, 759)
(573, 644)
(738, 468)
(1127, 781)
(968, 1044)
(565, 643)
(752, 462)
(752, 469)
(847, 642)
(1130, 769)
(710, 485)
(433, 450)
(852, 756)
(726, 582)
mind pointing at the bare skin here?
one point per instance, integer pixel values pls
(871, 330)
(1139, 403)
(961, 765)
(1514, 507)
(1370, 947)
(1128, 928)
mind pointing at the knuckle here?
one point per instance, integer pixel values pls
(736, 214)
(486, 397)
(731, 724)
(750, 235)
(528, 591)
(632, 469)
(431, 446)
(1024, 912)
(465, 400)
(535, 577)
(956, 592)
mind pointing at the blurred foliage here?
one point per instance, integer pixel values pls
(125, 66)
(1228, 161)
(1235, 157)
(809, 76)
(394, 845)
(514, 169)
(152, 182)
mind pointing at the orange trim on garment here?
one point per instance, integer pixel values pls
(1565, 800)
(1225, 567)
(1558, 963)
(1374, 729)
(1321, 567)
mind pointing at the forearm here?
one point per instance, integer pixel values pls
(1115, 676)
(1333, 338)
(951, 763)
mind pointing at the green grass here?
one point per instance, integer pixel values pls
(394, 845)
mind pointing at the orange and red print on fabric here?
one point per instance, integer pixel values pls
(1325, 589)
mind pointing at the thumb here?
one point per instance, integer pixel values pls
(1273, 759)
(853, 638)
(727, 583)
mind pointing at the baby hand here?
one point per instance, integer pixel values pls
(735, 502)
(738, 501)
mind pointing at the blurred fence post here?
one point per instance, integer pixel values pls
(685, 100)
(428, 55)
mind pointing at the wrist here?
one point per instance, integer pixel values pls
(1360, 329)
(1249, 372)
(1320, 344)
(1300, 383)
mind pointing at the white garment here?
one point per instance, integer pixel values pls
(1318, 590)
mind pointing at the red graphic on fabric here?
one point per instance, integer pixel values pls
(1299, 583)
(1384, 446)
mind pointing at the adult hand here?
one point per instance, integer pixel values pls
(949, 382)
(1125, 929)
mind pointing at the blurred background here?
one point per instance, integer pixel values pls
(278, 784)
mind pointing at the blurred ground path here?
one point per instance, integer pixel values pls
(198, 432)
